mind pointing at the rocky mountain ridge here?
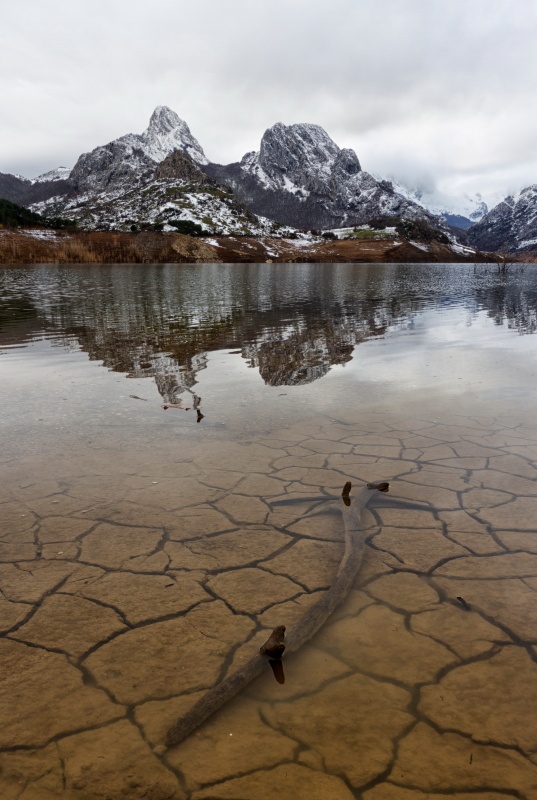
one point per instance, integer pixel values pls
(300, 176)
(509, 226)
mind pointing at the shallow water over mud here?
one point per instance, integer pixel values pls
(145, 554)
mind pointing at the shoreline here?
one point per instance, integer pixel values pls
(48, 246)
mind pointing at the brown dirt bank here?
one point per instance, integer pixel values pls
(36, 246)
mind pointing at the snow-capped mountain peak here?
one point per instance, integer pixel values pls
(133, 158)
(164, 120)
(167, 132)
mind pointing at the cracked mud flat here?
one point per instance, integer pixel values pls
(127, 590)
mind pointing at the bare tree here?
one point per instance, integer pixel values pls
(504, 260)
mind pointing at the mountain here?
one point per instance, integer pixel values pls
(301, 177)
(13, 188)
(25, 192)
(511, 225)
(153, 178)
(123, 163)
(458, 212)
(130, 160)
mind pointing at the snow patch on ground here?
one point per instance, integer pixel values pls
(341, 233)
(40, 234)
(462, 249)
(299, 243)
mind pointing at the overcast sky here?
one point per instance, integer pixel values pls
(440, 92)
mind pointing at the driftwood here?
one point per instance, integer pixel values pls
(304, 629)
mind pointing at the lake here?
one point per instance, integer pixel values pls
(175, 440)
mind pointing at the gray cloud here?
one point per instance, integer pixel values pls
(440, 92)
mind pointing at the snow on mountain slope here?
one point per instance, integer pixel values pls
(176, 191)
(161, 202)
(58, 174)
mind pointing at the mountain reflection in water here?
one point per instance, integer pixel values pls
(291, 322)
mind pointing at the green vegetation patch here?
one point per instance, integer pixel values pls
(370, 234)
(14, 216)
(187, 227)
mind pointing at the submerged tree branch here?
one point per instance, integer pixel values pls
(304, 629)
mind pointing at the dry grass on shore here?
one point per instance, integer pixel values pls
(36, 246)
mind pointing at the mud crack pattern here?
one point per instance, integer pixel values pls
(128, 591)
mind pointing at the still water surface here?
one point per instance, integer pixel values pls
(174, 441)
